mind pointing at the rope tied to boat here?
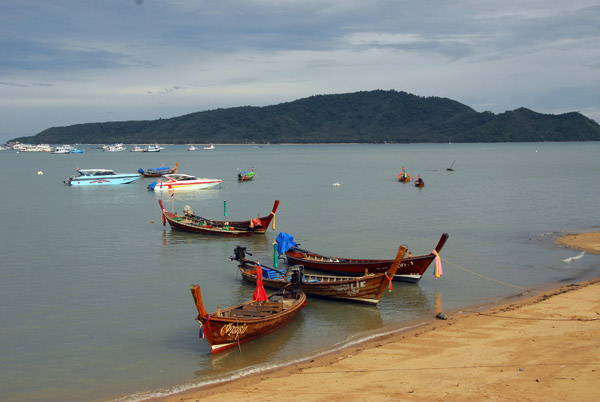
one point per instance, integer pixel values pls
(389, 280)
(487, 277)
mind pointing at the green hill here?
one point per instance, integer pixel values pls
(361, 117)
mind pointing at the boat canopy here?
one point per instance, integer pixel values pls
(285, 241)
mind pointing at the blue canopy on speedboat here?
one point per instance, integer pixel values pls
(284, 241)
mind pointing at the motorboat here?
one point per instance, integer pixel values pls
(137, 148)
(153, 148)
(96, 177)
(211, 146)
(182, 181)
(191, 148)
(62, 149)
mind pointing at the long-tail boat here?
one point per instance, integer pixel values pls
(249, 320)
(367, 288)
(190, 222)
(159, 171)
(411, 269)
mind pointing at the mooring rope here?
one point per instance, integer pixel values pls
(486, 277)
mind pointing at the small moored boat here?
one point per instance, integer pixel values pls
(180, 181)
(190, 222)
(159, 171)
(95, 177)
(403, 176)
(411, 269)
(246, 175)
(230, 327)
(419, 182)
(367, 288)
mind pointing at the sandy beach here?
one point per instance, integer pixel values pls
(541, 348)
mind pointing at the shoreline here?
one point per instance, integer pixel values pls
(503, 350)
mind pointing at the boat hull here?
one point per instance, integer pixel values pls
(411, 269)
(197, 224)
(247, 321)
(102, 180)
(185, 186)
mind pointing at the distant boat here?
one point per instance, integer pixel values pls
(211, 146)
(450, 168)
(246, 175)
(403, 176)
(159, 171)
(62, 149)
(153, 148)
(95, 177)
(419, 182)
(137, 148)
(191, 148)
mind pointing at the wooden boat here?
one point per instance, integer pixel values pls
(411, 269)
(246, 175)
(403, 176)
(367, 288)
(244, 322)
(419, 182)
(190, 222)
(159, 171)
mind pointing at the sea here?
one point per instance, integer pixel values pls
(95, 292)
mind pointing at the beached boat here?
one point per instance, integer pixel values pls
(95, 177)
(159, 171)
(189, 222)
(230, 327)
(246, 175)
(180, 181)
(411, 269)
(367, 288)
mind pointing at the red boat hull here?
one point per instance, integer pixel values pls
(410, 270)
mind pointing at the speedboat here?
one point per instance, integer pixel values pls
(191, 148)
(182, 181)
(211, 146)
(95, 177)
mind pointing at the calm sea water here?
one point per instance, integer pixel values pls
(95, 291)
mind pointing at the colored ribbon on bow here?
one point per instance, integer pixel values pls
(437, 272)
(202, 326)
(389, 279)
(274, 221)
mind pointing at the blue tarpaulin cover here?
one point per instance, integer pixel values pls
(284, 241)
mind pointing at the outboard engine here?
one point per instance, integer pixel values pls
(297, 274)
(240, 253)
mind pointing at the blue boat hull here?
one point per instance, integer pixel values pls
(102, 180)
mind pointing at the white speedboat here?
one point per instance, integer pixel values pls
(179, 181)
(96, 177)
(211, 146)
(191, 148)
(153, 148)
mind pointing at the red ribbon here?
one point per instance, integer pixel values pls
(389, 279)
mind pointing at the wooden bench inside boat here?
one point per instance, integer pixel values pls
(264, 309)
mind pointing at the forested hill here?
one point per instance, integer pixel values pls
(361, 117)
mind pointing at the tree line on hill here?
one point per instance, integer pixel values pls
(360, 117)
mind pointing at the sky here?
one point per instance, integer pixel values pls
(65, 62)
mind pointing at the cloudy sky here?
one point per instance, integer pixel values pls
(65, 62)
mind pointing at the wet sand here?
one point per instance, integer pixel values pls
(545, 347)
